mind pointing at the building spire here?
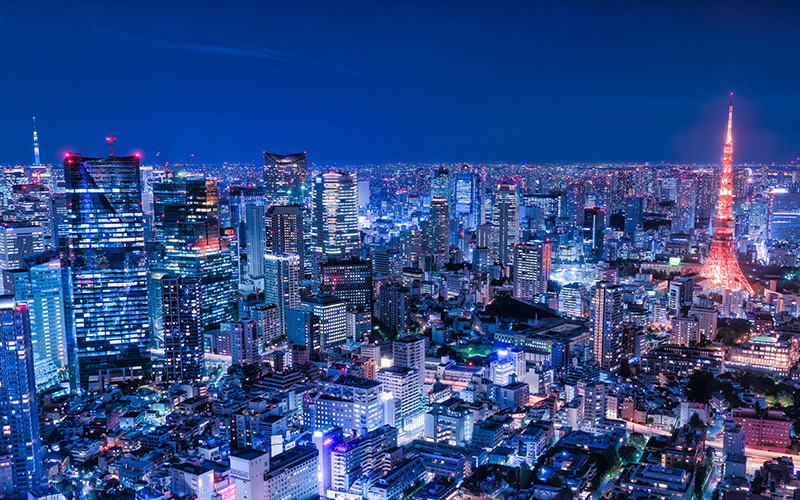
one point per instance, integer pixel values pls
(729, 139)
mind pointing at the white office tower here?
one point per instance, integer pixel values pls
(409, 352)
(256, 238)
(402, 401)
(282, 284)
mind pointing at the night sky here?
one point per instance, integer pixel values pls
(379, 81)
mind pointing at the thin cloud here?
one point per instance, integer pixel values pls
(219, 50)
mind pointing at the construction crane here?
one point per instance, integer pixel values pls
(309, 401)
(170, 169)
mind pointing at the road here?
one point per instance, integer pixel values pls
(755, 457)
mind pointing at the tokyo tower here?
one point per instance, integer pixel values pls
(721, 266)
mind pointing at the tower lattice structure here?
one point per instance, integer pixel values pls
(721, 266)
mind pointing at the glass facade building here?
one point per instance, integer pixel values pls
(108, 324)
(187, 227)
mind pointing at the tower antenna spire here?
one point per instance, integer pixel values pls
(36, 159)
(110, 140)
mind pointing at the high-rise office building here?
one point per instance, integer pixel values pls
(40, 285)
(334, 219)
(401, 387)
(607, 325)
(256, 237)
(31, 203)
(394, 302)
(594, 223)
(634, 210)
(469, 198)
(349, 280)
(574, 203)
(506, 220)
(785, 216)
(285, 178)
(20, 446)
(186, 223)
(331, 312)
(108, 322)
(440, 230)
(687, 203)
(285, 231)
(18, 239)
(183, 329)
(282, 284)
(244, 342)
(532, 263)
(440, 184)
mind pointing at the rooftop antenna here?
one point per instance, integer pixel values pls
(170, 169)
(110, 140)
(37, 160)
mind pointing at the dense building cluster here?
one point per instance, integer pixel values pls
(384, 332)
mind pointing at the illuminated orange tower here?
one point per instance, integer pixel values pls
(721, 266)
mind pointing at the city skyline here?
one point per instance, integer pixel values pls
(475, 85)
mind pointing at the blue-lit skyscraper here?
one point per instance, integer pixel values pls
(334, 222)
(108, 325)
(187, 226)
(20, 446)
(183, 329)
(469, 199)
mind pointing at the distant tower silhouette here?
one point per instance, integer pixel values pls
(38, 162)
(721, 266)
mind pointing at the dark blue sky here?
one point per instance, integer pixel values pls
(387, 81)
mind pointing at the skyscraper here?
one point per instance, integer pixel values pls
(607, 326)
(282, 284)
(183, 329)
(286, 178)
(687, 204)
(186, 224)
(593, 227)
(285, 231)
(721, 266)
(506, 220)
(40, 285)
(18, 239)
(634, 209)
(109, 327)
(20, 446)
(531, 269)
(468, 199)
(256, 237)
(334, 219)
(574, 203)
(440, 230)
(440, 184)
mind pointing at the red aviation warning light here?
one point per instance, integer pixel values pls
(110, 140)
